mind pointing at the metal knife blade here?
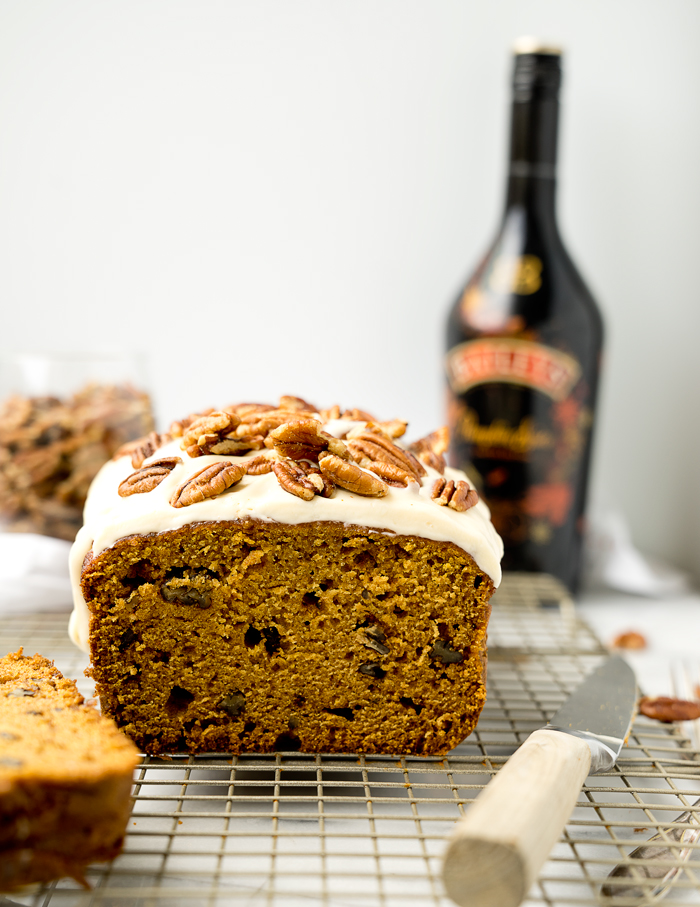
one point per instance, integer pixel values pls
(601, 710)
(496, 851)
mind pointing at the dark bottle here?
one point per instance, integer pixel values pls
(524, 342)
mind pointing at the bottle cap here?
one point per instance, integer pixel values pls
(526, 44)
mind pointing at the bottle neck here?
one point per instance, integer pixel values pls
(533, 155)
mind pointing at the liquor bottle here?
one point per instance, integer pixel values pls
(524, 341)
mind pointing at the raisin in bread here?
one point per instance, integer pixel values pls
(266, 578)
(65, 776)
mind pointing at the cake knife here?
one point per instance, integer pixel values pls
(497, 849)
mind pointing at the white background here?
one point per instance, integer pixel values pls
(283, 196)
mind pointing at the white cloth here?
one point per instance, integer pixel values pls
(34, 574)
(613, 562)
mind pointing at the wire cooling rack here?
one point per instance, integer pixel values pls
(292, 830)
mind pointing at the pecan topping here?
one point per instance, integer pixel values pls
(376, 447)
(438, 441)
(207, 483)
(351, 477)
(395, 428)
(304, 440)
(435, 461)
(208, 434)
(143, 448)
(358, 415)
(629, 640)
(260, 465)
(431, 448)
(391, 474)
(458, 496)
(664, 708)
(294, 480)
(180, 426)
(296, 403)
(148, 477)
(329, 415)
(323, 484)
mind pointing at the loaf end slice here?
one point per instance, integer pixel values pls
(65, 776)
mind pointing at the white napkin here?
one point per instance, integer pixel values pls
(34, 574)
(612, 561)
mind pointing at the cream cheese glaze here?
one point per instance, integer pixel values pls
(404, 511)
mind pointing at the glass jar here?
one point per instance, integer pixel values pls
(61, 417)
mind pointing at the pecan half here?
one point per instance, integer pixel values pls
(180, 426)
(438, 441)
(392, 475)
(143, 448)
(431, 448)
(207, 433)
(235, 446)
(664, 708)
(358, 415)
(260, 465)
(349, 476)
(377, 447)
(331, 414)
(293, 479)
(458, 496)
(629, 640)
(148, 477)
(208, 483)
(246, 409)
(304, 440)
(395, 428)
(324, 485)
(296, 403)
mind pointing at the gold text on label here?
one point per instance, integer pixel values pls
(513, 361)
(520, 439)
(521, 275)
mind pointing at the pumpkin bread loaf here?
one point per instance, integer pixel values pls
(282, 578)
(65, 776)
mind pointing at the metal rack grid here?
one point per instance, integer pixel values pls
(360, 831)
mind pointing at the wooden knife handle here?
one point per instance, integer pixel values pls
(497, 850)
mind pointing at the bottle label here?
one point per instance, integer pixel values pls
(521, 274)
(513, 361)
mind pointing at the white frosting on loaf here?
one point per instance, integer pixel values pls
(109, 517)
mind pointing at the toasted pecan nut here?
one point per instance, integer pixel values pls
(148, 477)
(358, 415)
(392, 475)
(395, 428)
(459, 496)
(248, 409)
(438, 441)
(378, 448)
(431, 448)
(208, 483)
(324, 485)
(296, 403)
(206, 432)
(304, 440)
(629, 640)
(143, 448)
(234, 447)
(259, 466)
(331, 414)
(349, 476)
(667, 709)
(435, 461)
(293, 479)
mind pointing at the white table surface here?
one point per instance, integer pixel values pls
(671, 627)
